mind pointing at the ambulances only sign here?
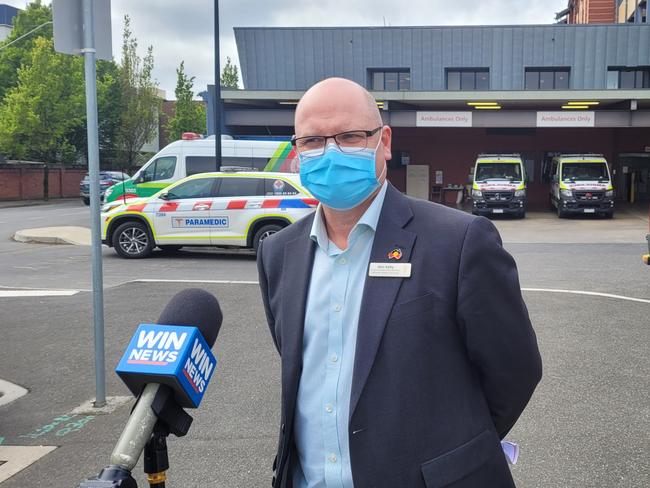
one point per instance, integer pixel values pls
(171, 355)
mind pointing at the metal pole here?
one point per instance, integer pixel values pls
(93, 171)
(216, 103)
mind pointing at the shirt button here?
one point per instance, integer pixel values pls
(329, 408)
(337, 307)
(334, 358)
(332, 458)
(343, 261)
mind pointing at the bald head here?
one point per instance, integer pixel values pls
(336, 105)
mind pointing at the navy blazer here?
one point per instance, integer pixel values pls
(446, 360)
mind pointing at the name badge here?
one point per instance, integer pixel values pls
(390, 270)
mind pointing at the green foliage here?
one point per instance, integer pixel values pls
(189, 115)
(40, 114)
(230, 75)
(139, 103)
(20, 53)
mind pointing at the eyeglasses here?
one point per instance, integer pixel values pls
(348, 142)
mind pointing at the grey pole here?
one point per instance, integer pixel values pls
(93, 170)
(216, 103)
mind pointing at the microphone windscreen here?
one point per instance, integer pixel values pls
(196, 308)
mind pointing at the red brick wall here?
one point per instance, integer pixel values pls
(593, 12)
(454, 150)
(25, 182)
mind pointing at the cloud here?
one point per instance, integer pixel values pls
(182, 30)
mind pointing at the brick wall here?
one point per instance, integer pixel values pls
(593, 12)
(26, 182)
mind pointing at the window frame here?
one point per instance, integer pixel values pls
(154, 164)
(464, 71)
(638, 73)
(212, 192)
(554, 72)
(260, 187)
(398, 72)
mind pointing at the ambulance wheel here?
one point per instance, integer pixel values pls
(264, 232)
(560, 213)
(86, 201)
(521, 215)
(132, 240)
(170, 248)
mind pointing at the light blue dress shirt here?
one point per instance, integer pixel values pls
(329, 343)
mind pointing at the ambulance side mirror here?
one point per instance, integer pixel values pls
(164, 196)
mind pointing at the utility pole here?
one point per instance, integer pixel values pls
(216, 103)
(84, 27)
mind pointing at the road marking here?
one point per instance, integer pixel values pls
(212, 282)
(588, 293)
(25, 267)
(10, 392)
(35, 218)
(13, 459)
(37, 293)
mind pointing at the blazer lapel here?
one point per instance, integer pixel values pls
(298, 261)
(379, 293)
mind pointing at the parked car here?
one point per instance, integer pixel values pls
(193, 154)
(237, 209)
(106, 180)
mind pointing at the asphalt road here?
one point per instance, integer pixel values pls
(586, 425)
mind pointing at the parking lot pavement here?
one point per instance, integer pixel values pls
(586, 425)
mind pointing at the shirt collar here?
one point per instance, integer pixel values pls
(369, 220)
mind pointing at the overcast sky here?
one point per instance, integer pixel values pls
(183, 29)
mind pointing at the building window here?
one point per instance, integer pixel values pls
(547, 79)
(468, 79)
(389, 80)
(628, 78)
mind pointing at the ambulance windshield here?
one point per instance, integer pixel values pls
(498, 171)
(585, 171)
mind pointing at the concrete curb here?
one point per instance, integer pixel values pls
(78, 236)
(35, 203)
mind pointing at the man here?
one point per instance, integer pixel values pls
(406, 347)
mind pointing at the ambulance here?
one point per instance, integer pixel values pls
(499, 185)
(581, 184)
(194, 154)
(237, 209)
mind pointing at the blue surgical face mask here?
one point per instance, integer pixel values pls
(338, 179)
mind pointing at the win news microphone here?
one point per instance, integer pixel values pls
(168, 366)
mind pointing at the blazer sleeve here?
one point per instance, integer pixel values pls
(264, 288)
(494, 322)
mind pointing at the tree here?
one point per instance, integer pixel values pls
(20, 53)
(39, 115)
(139, 103)
(230, 75)
(189, 115)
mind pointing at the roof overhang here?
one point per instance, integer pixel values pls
(455, 100)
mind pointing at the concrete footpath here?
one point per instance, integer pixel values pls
(66, 234)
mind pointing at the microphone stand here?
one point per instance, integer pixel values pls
(156, 461)
(172, 419)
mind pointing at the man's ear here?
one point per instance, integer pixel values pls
(386, 142)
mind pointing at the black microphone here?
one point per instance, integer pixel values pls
(168, 366)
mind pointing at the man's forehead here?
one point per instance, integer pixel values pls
(324, 120)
